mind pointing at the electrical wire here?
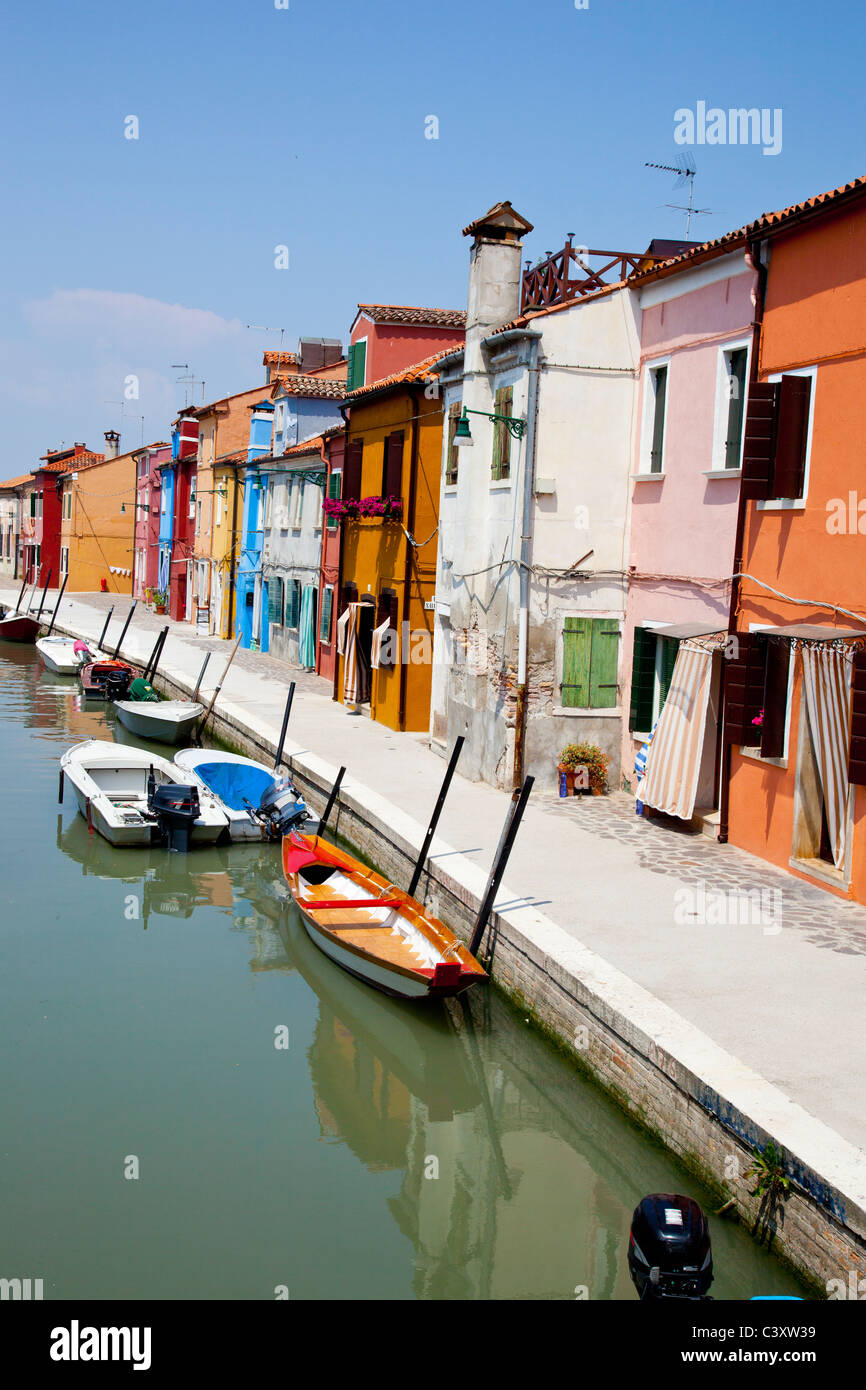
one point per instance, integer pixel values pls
(801, 602)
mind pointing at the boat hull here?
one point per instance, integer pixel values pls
(243, 825)
(17, 627)
(154, 720)
(57, 655)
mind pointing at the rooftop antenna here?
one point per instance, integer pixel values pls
(121, 404)
(188, 381)
(264, 328)
(685, 170)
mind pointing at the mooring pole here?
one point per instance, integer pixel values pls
(146, 672)
(515, 816)
(323, 819)
(158, 659)
(21, 595)
(57, 605)
(125, 626)
(437, 811)
(60, 788)
(44, 592)
(105, 628)
(200, 676)
(289, 700)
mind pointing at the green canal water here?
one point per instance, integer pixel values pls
(142, 994)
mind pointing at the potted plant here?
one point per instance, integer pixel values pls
(584, 766)
(160, 599)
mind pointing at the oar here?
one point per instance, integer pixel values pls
(209, 709)
(57, 605)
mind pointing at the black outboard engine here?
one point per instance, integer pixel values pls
(115, 682)
(669, 1254)
(176, 810)
(281, 808)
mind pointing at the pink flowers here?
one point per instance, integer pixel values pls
(352, 508)
(759, 719)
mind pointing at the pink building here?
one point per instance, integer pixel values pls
(696, 317)
(148, 482)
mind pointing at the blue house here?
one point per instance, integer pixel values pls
(251, 589)
(168, 473)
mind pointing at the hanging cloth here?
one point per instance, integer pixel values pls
(307, 633)
(827, 680)
(674, 755)
(377, 644)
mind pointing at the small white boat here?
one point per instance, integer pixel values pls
(167, 721)
(260, 804)
(134, 797)
(59, 654)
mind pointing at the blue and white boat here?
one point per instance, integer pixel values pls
(260, 804)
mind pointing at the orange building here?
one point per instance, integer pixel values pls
(796, 786)
(97, 521)
(388, 565)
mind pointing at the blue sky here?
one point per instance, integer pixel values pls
(305, 127)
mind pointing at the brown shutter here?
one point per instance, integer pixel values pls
(791, 432)
(352, 471)
(759, 440)
(453, 449)
(392, 466)
(775, 702)
(744, 689)
(857, 752)
(348, 594)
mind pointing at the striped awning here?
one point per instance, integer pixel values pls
(347, 646)
(674, 756)
(827, 681)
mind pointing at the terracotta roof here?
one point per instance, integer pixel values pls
(417, 372)
(309, 446)
(17, 482)
(69, 465)
(408, 313)
(328, 388)
(502, 219)
(768, 222)
(273, 359)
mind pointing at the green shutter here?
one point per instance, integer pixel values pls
(33, 504)
(670, 647)
(604, 660)
(293, 604)
(642, 680)
(275, 600)
(356, 366)
(736, 406)
(501, 467)
(453, 449)
(327, 610)
(576, 648)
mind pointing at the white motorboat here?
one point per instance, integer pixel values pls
(134, 797)
(167, 721)
(59, 654)
(260, 804)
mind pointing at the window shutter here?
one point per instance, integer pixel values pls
(392, 470)
(275, 600)
(501, 468)
(642, 680)
(293, 603)
(576, 651)
(670, 648)
(352, 471)
(325, 616)
(453, 450)
(775, 704)
(604, 660)
(857, 751)
(736, 404)
(660, 383)
(349, 594)
(356, 367)
(744, 689)
(759, 440)
(791, 432)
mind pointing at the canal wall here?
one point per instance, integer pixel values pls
(696, 1098)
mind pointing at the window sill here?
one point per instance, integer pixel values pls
(501, 485)
(755, 756)
(821, 871)
(590, 713)
(782, 504)
(647, 477)
(713, 473)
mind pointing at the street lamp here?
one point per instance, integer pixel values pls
(515, 425)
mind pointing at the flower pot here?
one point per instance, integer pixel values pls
(159, 608)
(566, 779)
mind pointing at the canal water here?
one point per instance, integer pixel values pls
(388, 1152)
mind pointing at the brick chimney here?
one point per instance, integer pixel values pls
(112, 444)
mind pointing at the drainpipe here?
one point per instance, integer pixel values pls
(525, 560)
(739, 539)
(409, 525)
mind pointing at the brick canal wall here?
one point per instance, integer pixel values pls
(699, 1101)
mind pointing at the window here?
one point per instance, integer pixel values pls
(67, 504)
(334, 487)
(392, 465)
(655, 410)
(590, 657)
(275, 600)
(219, 503)
(776, 442)
(735, 381)
(269, 506)
(756, 687)
(453, 453)
(502, 402)
(357, 365)
(39, 503)
(293, 603)
(653, 660)
(198, 519)
(352, 471)
(326, 614)
(64, 559)
(33, 504)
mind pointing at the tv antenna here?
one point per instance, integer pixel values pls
(188, 382)
(685, 170)
(264, 328)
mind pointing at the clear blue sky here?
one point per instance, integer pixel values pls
(305, 127)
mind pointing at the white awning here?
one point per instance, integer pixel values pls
(674, 756)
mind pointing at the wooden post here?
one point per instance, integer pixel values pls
(512, 825)
(105, 628)
(289, 700)
(125, 626)
(57, 605)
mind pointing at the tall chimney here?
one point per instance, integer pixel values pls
(494, 275)
(112, 444)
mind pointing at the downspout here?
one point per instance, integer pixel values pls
(739, 539)
(409, 526)
(525, 576)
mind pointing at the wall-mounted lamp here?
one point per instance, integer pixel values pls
(463, 435)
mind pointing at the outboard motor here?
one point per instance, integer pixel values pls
(669, 1254)
(282, 809)
(115, 682)
(176, 810)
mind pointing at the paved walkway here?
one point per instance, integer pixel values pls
(778, 982)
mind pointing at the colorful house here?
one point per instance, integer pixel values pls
(97, 530)
(148, 497)
(182, 604)
(385, 338)
(389, 513)
(41, 519)
(12, 494)
(333, 456)
(795, 686)
(292, 551)
(252, 598)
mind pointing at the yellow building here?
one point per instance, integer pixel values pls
(394, 449)
(225, 534)
(97, 522)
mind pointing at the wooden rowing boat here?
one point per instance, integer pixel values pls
(105, 680)
(371, 928)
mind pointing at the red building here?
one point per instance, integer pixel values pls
(185, 433)
(387, 338)
(333, 453)
(148, 484)
(40, 526)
